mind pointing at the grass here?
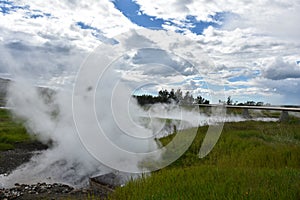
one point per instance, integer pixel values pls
(252, 160)
(203, 182)
(11, 132)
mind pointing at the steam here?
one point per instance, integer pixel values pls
(67, 160)
(48, 116)
(77, 150)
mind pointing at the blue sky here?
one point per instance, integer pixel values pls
(8, 7)
(132, 11)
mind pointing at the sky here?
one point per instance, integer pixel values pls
(254, 45)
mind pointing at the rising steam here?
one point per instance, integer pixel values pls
(102, 101)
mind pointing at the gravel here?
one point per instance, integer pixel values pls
(21, 190)
(50, 191)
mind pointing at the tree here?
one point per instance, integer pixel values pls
(163, 96)
(178, 95)
(188, 98)
(201, 100)
(260, 103)
(250, 103)
(172, 96)
(145, 99)
(229, 101)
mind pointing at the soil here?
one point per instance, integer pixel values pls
(11, 159)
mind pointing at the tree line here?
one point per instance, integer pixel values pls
(247, 103)
(172, 96)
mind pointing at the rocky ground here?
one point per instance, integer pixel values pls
(11, 159)
(23, 191)
(50, 191)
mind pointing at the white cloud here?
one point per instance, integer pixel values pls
(63, 19)
(287, 90)
(46, 48)
(245, 46)
(244, 52)
(278, 18)
(278, 69)
(178, 10)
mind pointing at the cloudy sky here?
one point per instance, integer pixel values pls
(254, 45)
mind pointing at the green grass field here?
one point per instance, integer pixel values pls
(11, 132)
(252, 160)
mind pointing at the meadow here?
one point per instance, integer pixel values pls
(252, 160)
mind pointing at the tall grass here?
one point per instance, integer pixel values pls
(252, 160)
(204, 182)
(247, 144)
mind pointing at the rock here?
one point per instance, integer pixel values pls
(35, 189)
